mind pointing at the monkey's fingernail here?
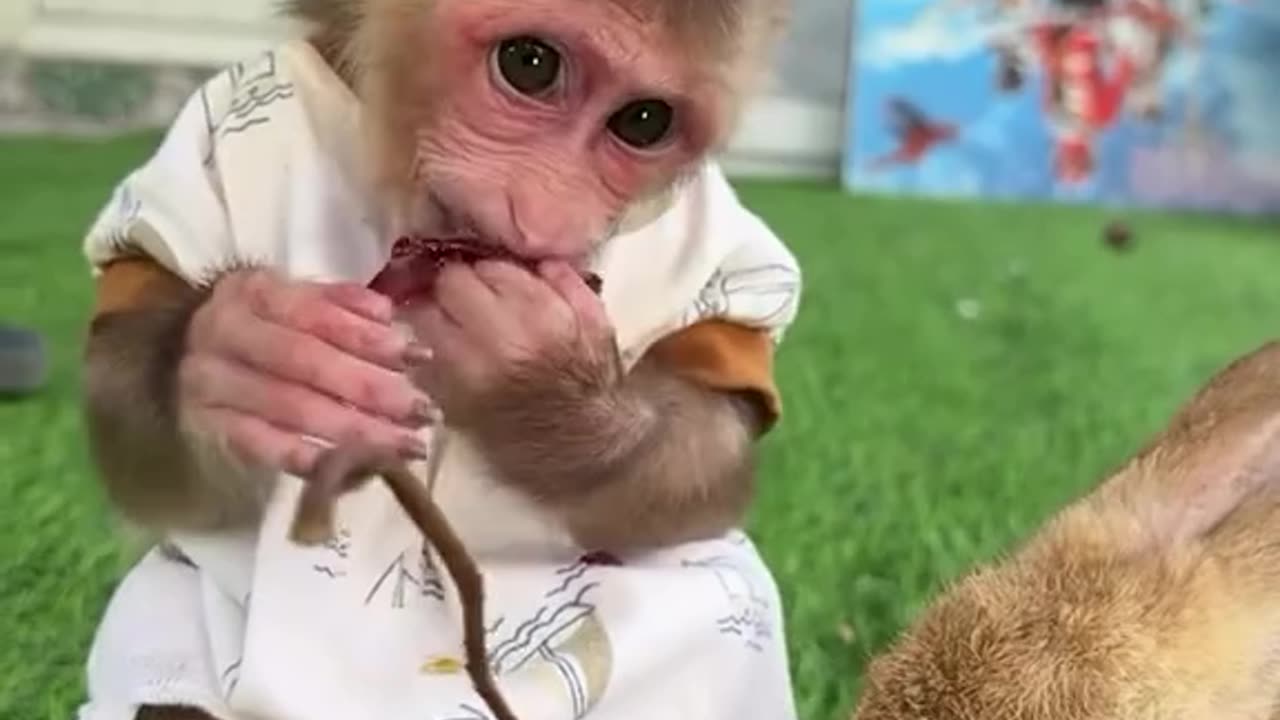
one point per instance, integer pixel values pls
(418, 354)
(425, 413)
(413, 448)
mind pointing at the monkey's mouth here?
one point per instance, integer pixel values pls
(410, 275)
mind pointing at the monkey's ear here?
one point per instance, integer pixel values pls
(1219, 452)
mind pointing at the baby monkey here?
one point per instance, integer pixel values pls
(254, 309)
(1154, 597)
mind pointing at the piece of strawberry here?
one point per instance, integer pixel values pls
(410, 275)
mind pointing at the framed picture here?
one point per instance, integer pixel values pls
(1155, 103)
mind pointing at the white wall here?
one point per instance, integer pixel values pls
(169, 31)
(795, 130)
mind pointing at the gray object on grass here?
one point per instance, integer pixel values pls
(23, 363)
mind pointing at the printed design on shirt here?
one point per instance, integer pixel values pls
(338, 548)
(230, 677)
(172, 553)
(242, 98)
(120, 221)
(580, 665)
(412, 571)
(565, 644)
(748, 614)
(467, 712)
(444, 665)
(764, 294)
(564, 647)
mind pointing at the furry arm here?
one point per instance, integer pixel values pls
(663, 457)
(152, 472)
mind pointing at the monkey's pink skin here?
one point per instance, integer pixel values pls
(415, 261)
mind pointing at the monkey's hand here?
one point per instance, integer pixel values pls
(527, 366)
(496, 330)
(272, 365)
(197, 398)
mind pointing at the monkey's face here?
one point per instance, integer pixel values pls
(535, 124)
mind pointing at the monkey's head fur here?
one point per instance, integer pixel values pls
(1155, 597)
(538, 124)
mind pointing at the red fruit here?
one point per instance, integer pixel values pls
(600, 557)
(415, 261)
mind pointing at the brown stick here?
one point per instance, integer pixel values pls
(346, 468)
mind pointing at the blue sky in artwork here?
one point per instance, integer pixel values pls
(934, 53)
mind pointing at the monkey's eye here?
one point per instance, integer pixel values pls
(642, 123)
(528, 64)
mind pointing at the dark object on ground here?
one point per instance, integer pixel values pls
(23, 364)
(1118, 236)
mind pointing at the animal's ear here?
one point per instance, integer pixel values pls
(1221, 449)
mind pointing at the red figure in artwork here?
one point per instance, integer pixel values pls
(1081, 98)
(917, 134)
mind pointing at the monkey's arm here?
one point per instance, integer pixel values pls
(152, 472)
(665, 458)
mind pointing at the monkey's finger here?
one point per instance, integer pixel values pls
(361, 300)
(321, 311)
(301, 410)
(512, 283)
(468, 302)
(537, 310)
(257, 441)
(455, 354)
(297, 357)
(451, 343)
(383, 345)
(590, 311)
(432, 327)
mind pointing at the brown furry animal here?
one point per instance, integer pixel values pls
(1155, 597)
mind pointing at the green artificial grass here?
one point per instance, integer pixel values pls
(956, 373)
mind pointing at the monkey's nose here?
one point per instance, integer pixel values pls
(545, 232)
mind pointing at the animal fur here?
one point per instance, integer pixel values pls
(1155, 597)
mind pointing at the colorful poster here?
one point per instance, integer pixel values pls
(1156, 103)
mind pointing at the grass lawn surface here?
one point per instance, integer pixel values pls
(956, 373)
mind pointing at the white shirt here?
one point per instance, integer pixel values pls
(263, 164)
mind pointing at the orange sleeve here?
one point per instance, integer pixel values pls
(725, 356)
(136, 282)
